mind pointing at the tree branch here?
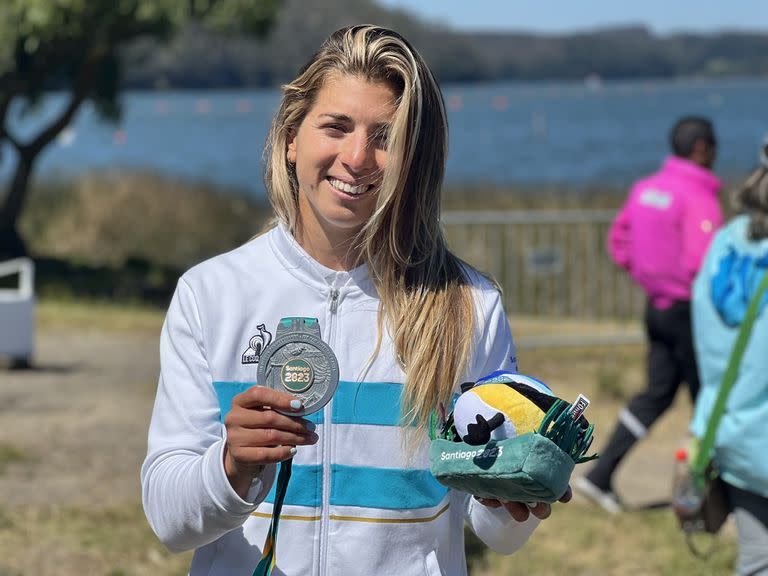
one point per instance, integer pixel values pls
(80, 91)
(8, 94)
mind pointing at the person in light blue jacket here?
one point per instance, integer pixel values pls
(734, 266)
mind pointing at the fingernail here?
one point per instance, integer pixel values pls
(296, 404)
(310, 426)
(293, 450)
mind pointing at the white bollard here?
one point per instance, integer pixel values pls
(17, 312)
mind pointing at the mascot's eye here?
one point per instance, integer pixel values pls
(466, 386)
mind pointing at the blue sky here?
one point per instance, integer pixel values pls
(556, 16)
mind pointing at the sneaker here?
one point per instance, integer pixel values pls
(604, 498)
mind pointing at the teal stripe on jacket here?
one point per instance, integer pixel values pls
(226, 391)
(305, 488)
(361, 403)
(388, 488)
(376, 403)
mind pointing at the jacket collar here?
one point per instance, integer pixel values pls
(308, 270)
(703, 177)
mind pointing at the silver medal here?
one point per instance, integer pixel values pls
(298, 362)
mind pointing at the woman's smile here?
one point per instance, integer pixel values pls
(353, 190)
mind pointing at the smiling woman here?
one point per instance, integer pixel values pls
(339, 155)
(356, 256)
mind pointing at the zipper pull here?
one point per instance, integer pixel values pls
(334, 300)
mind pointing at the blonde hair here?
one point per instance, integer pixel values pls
(426, 301)
(751, 198)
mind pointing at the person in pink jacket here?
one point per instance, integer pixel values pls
(660, 237)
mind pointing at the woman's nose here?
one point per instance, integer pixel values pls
(357, 152)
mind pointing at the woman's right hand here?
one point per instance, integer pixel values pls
(257, 434)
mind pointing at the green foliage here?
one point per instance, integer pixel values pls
(476, 552)
(45, 43)
(195, 59)
(249, 16)
(610, 381)
(208, 60)
(74, 46)
(8, 455)
(129, 236)
(6, 523)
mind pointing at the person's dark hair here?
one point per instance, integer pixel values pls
(687, 131)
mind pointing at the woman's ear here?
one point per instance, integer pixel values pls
(291, 152)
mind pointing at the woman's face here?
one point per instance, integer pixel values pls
(339, 152)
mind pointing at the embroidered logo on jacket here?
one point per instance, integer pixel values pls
(256, 345)
(654, 198)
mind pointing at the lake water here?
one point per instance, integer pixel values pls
(573, 134)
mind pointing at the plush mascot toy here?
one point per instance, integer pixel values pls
(510, 438)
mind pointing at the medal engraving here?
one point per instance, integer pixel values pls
(297, 375)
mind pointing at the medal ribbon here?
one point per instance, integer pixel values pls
(269, 554)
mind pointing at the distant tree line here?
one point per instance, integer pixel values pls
(199, 58)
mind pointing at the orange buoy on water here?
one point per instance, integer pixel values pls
(203, 106)
(500, 102)
(455, 102)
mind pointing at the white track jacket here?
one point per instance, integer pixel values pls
(355, 505)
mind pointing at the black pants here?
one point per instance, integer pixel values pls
(671, 361)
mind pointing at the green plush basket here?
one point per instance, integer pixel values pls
(526, 468)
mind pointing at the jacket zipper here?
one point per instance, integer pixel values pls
(333, 297)
(333, 307)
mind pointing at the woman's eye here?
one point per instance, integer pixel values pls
(379, 139)
(334, 129)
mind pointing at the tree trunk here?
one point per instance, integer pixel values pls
(11, 243)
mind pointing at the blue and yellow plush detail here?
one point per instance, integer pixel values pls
(510, 438)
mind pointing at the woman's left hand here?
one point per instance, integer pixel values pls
(520, 511)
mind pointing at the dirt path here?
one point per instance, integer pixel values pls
(79, 419)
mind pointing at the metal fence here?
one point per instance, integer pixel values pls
(549, 263)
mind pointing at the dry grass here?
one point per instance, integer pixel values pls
(532, 197)
(98, 315)
(60, 539)
(582, 542)
(10, 454)
(108, 218)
